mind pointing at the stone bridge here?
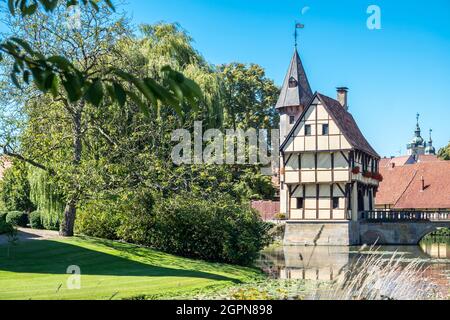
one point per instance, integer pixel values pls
(380, 227)
(400, 228)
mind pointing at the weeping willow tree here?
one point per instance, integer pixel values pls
(45, 197)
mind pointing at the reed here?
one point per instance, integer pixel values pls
(381, 276)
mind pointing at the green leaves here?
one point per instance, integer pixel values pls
(73, 87)
(94, 93)
(119, 94)
(47, 72)
(175, 90)
(178, 90)
(29, 7)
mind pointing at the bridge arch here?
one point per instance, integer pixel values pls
(398, 233)
(431, 230)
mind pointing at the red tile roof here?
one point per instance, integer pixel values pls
(402, 186)
(397, 162)
(428, 158)
(347, 125)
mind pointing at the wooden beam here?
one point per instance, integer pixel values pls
(339, 186)
(317, 200)
(346, 159)
(287, 161)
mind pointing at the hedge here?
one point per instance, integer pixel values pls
(17, 218)
(35, 220)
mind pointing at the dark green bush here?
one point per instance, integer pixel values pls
(125, 217)
(17, 218)
(3, 215)
(218, 230)
(35, 220)
(5, 227)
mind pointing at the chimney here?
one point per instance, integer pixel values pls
(342, 93)
(423, 184)
(392, 165)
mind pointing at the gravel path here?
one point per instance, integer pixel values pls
(31, 234)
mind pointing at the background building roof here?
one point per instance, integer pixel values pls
(401, 187)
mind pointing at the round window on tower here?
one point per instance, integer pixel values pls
(292, 82)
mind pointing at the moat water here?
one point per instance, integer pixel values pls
(327, 263)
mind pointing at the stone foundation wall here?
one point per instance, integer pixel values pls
(398, 233)
(347, 233)
(322, 233)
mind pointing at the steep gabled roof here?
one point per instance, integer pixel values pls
(299, 94)
(345, 122)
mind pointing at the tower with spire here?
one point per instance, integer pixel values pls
(417, 145)
(328, 170)
(295, 94)
(430, 150)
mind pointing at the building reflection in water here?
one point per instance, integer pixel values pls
(436, 250)
(309, 263)
(327, 263)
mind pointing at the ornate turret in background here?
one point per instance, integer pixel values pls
(417, 145)
(430, 150)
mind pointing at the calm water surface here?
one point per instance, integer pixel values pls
(325, 263)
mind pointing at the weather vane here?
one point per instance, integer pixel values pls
(297, 26)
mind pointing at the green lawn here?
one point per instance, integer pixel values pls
(109, 270)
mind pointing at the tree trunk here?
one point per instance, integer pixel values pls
(68, 221)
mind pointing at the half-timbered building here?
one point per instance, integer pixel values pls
(329, 172)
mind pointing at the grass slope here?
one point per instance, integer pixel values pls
(109, 270)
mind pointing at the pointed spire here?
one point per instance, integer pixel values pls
(430, 150)
(296, 90)
(418, 131)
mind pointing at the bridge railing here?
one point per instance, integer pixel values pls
(413, 216)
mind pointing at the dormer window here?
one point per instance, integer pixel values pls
(292, 83)
(291, 120)
(308, 130)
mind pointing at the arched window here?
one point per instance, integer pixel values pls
(292, 82)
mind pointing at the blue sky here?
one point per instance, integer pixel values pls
(392, 73)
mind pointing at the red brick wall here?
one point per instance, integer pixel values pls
(267, 209)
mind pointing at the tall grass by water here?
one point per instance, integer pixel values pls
(377, 275)
(373, 274)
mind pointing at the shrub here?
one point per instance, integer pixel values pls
(3, 215)
(219, 230)
(5, 227)
(35, 220)
(280, 216)
(17, 218)
(98, 219)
